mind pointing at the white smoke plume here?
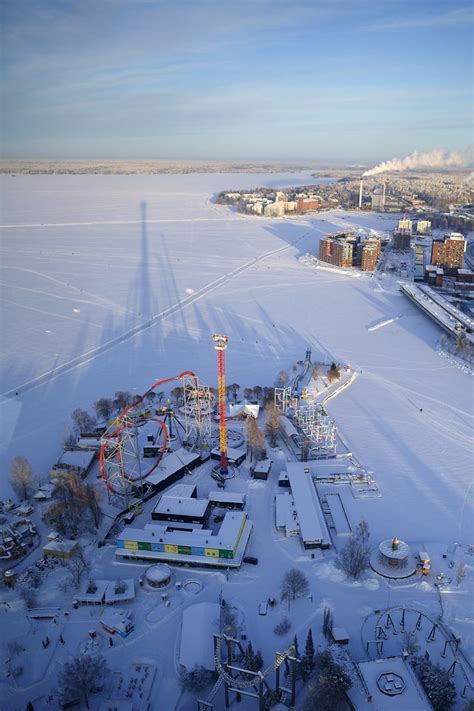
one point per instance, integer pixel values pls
(434, 159)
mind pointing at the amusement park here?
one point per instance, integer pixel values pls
(238, 526)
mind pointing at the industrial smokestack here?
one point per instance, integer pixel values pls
(360, 192)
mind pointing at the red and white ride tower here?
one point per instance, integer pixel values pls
(220, 344)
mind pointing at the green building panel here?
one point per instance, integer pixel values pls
(223, 553)
(144, 546)
(185, 550)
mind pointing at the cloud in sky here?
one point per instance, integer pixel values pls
(142, 78)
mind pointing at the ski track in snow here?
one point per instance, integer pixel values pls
(179, 306)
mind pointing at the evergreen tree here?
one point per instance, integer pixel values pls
(29, 706)
(307, 661)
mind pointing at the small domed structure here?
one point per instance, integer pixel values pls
(394, 552)
(158, 576)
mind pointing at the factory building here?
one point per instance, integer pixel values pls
(448, 252)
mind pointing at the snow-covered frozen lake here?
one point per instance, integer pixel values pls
(86, 259)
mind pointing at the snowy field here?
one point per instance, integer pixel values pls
(109, 283)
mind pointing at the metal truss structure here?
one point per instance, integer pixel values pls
(317, 426)
(245, 682)
(197, 399)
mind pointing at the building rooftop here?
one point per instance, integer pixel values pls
(181, 506)
(392, 684)
(310, 517)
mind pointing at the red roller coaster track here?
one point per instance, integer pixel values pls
(121, 423)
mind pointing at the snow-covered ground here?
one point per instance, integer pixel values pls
(109, 282)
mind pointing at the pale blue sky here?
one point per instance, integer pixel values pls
(341, 80)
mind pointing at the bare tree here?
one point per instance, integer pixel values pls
(22, 479)
(122, 400)
(177, 393)
(81, 675)
(257, 391)
(104, 408)
(255, 438)
(268, 395)
(281, 379)
(272, 423)
(315, 372)
(83, 421)
(92, 496)
(355, 556)
(248, 392)
(75, 508)
(294, 584)
(334, 372)
(77, 566)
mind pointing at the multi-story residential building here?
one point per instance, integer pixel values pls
(370, 252)
(448, 252)
(336, 251)
(423, 227)
(405, 226)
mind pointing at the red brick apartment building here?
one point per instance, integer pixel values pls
(336, 252)
(370, 252)
(448, 251)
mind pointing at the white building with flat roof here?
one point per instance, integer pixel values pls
(313, 529)
(388, 684)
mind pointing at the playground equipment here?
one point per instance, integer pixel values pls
(134, 445)
(220, 344)
(249, 683)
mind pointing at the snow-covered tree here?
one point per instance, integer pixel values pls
(438, 685)
(248, 393)
(355, 556)
(81, 675)
(83, 421)
(272, 423)
(283, 627)
(255, 438)
(104, 408)
(330, 687)
(22, 479)
(281, 379)
(307, 660)
(196, 679)
(294, 584)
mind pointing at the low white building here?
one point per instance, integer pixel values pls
(200, 622)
